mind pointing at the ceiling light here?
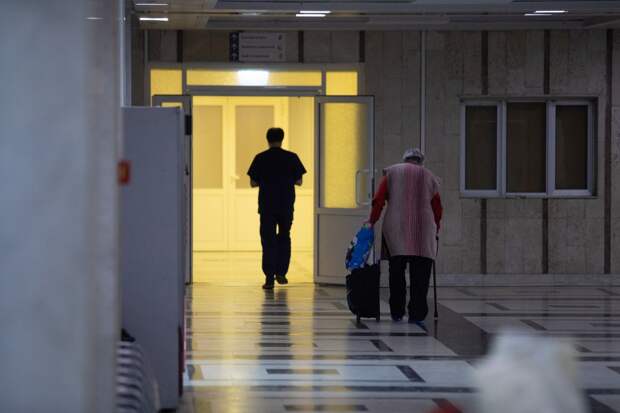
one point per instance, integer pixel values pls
(253, 77)
(550, 11)
(154, 19)
(315, 11)
(537, 14)
(151, 4)
(310, 15)
(94, 18)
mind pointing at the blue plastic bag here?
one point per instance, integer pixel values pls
(359, 249)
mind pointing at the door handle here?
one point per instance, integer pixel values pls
(358, 173)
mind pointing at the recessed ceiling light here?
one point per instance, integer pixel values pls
(94, 18)
(550, 11)
(537, 14)
(310, 15)
(154, 19)
(151, 4)
(315, 11)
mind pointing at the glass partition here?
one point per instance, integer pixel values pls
(344, 153)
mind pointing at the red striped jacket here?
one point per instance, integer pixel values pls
(414, 211)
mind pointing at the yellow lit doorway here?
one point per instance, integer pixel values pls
(228, 131)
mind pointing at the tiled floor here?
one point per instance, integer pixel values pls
(298, 349)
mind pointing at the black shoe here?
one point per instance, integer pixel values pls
(281, 279)
(397, 318)
(268, 285)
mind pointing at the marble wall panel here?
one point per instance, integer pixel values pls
(344, 46)
(534, 60)
(470, 245)
(498, 71)
(291, 47)
(532, 246)
(374, 47)
(496, 236)
(317, 46)
(594, 233)
(559, 49)
(197, 46)
(516, 63)
(472, 63)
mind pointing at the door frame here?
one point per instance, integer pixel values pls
(363, 207)
(188, 245)
(285, 91)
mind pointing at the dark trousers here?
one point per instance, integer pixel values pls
(419, 277)
(275, 237)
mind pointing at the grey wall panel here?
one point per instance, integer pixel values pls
(151, 240)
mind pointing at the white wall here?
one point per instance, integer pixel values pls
(59, 126)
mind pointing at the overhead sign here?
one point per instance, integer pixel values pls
(257, 47)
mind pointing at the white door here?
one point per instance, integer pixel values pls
(250, 117)
(344, 179)
(185, 103)
(228, 133)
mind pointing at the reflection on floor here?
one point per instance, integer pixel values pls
(298, 349)
(244, 268)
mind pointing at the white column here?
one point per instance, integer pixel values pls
(59, 128)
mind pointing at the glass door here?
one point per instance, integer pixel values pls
(345, 178)
(185, 103)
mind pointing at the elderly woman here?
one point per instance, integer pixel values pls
(410, 231)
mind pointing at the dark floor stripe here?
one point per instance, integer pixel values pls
(459, 334)
(325, 408)
(208, 356)
(276, 323)
(603, 392)
(534, 325)
(331, 372)
(466, 291)
(483, 236)
(381, 346)
(283, 389)
(599, 407)
(583, 349)
(606, 325)
(499, 306)
(312, 333)
(609, 292)
(580, 315)
(275, 345)
(410, 374)
(573, 306)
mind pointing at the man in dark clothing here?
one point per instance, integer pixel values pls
(276, 172)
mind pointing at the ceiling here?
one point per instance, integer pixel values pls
(378, 14)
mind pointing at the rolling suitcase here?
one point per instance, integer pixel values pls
(363, 291)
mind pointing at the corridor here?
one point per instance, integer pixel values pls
(298, 349)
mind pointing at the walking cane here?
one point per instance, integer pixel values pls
(435, 279)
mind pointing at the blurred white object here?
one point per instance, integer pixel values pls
(529, 374)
